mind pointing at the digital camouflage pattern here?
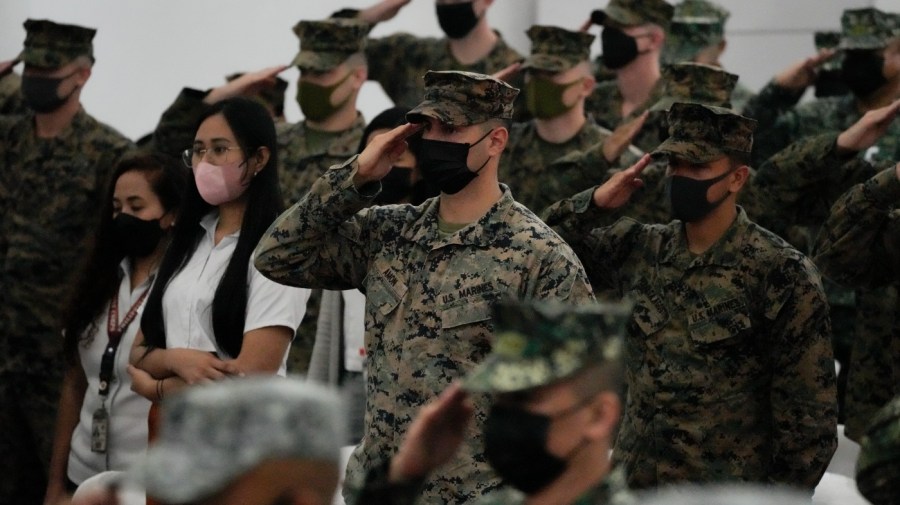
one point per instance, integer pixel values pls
(622, 13)
(536, 344)
(51, 193)
(555, 49)
(612, 490)
(728, 358)
(327, 43)
(53, 45)
(428, 300)
(460, 98)
(536, 181)
(403, 59)
(700, 9)
(859, 246)
(695, 83)
(203, 446)
(829, 40)
(879, 457)
(868, 28)
(703, 133)
(605, 106)
(689, 35)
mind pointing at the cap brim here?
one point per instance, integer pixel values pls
(444, 112)
(497, 374)
(178, 474)
(692, 151)
(318, 61)
(616, 17)
(546, 63)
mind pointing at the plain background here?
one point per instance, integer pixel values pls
(147, 50)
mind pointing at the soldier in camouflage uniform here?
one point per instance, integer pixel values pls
(728, 360)
(54, 166)
(430, 273)
(697, 34)
(558, 79)
(471, 45)
(332, 70)
(247, 441)
(632, 38)
(879, 457)
(555, 376)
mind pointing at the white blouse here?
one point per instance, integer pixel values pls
(187, 301)
(127, 410)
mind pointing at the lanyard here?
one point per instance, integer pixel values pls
(115, 330)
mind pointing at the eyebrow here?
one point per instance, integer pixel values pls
(217, 139)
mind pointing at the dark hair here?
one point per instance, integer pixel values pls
(98, 279)
(253, 128)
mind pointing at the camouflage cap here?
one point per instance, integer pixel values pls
(328, 43)
(688, 36)
(538, 343)
(701, 9)
(702, 133)
(621, 13)
(53, 45)
(867, 28)
(271, 96)
(556, 49)
(878, 466)
(462, 98)
(829, 40)
(695, 83)
(212, 434)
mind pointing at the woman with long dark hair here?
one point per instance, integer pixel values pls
(140, 210)
(210, 313)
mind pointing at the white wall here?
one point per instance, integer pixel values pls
(148, 49)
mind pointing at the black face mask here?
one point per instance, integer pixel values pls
(444, 164)
(41, 94)
(396, 186)
(457, 20)
(863, 71)
(830, 83)
(619, 48)
(136, 237)
(515, 444)
(688, 197)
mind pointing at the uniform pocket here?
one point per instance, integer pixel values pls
(720, 329)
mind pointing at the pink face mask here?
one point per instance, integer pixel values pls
(219, 184)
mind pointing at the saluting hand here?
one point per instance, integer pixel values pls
(246, 84)
(383, 150)
(382, 11)
(802, 74)
(433, 437)
(864, 133)
(507, 72)
(616, 192)
(6, 67)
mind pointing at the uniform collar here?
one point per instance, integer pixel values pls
(487, 230)
(725, 252)
(345, 143)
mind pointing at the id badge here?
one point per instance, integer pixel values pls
(99, 430)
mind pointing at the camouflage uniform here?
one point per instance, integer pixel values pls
(324, 45)
(859, 245)
(51, 192)
(527, 158)
(537, 344)
(605, 103)
(697, 25)
(427, 296)
(879, 457)
(728, 361)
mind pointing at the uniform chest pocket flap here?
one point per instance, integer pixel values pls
(473, 311)
(721, 328)
(385, 291)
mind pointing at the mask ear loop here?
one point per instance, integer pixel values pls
(476, 143)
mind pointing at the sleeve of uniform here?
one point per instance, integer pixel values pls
(770, 104)
(376, 489)
(797, 185)
(176, 127)
(859, 244)
(803, 391)
(388, 59)
(322, 241)
(604, 251)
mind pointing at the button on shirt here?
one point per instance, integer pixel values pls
(187, 302)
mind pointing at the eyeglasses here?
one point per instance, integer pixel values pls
(216, 155)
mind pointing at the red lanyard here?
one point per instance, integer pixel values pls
(115, 330)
